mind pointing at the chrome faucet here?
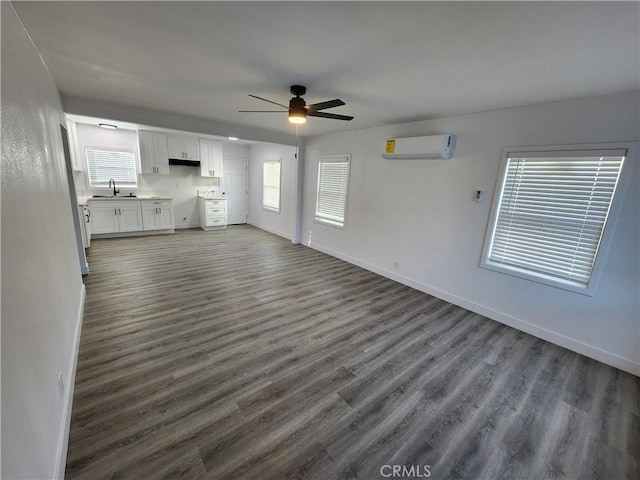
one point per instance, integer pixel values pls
(115, 191)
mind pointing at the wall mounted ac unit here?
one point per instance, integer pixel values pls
(419, 148)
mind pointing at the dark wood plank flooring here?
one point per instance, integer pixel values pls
(237, 355)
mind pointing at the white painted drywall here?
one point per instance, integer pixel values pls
(284, 222)
(422, 215)
(42, 288)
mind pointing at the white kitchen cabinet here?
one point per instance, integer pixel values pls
(112, 216)
(130, 217)
(213, 213)
(157, 214)
(210, 158)
(154, 155)
(183, 148)
(104, 219)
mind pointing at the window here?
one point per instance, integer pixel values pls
(271, 185)
(333, 185)
(104, 164)
(550, 215)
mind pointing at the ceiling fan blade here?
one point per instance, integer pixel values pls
(262, 111)
(265, 100)
(323, 105)
(329, 115)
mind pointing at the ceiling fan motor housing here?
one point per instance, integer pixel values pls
(298, 90)
(297, 104)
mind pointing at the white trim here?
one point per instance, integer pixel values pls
(625, 364)
(63, 441)
(137, 233)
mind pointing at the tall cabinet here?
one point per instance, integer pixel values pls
(210, 158)
(154, 156)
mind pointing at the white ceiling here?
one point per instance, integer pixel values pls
(390, 62)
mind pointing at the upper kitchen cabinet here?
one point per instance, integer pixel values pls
(154, 157)
(74, 146)
(184, 148)
(210, 158)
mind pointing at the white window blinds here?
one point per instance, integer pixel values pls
(333, 184)
(271, 185)
(552, 211)
(104, 164)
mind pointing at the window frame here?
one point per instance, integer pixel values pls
(269, 208)
(136, 166)
(325, 221)
(609, 225)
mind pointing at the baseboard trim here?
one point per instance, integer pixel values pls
(556, 338)
(272, 230)
(63, 442)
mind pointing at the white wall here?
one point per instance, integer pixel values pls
(42, 289)
(283, 223)
(422, 215)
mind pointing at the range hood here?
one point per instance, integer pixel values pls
(186, 163)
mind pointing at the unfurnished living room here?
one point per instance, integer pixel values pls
(320, 240)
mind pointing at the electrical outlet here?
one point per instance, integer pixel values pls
(61, 384)
(396, 265)
(309, 239)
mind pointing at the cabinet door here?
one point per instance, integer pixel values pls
(161, 153)
(175, 147)
(165, 217)
(150, 217)
(205, 156)
(147, 156)
(104, 220)
(215, 159)
(191, 149)
(130, 218)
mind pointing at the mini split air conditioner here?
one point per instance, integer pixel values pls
(429, 147)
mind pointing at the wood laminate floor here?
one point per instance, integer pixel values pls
(238, 355)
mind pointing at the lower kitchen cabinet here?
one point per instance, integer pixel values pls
(157, 214)
(213, 213)
(130, 216)
(115, 217)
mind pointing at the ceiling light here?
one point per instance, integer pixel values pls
(108, 125)
(297, 117)
(233, 138)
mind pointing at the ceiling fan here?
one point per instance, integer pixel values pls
(299, 111)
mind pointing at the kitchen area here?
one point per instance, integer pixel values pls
(140, 180)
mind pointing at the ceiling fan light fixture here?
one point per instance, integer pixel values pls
(298, 117)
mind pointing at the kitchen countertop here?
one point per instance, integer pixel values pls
(124, 197)
(205, 197)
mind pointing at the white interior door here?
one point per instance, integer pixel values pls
(235, 187)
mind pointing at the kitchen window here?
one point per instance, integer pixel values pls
(550, 216)
(104, 164)
(333, 187)
(271, 185)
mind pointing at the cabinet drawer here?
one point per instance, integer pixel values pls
(213, 221)
(156, 203)
(216, 203)
(216, 210)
